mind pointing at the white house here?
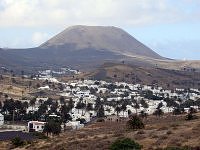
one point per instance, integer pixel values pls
(1, 119)
(44, 87)
(74, 125)
(36, 126)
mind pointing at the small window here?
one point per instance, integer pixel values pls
(42, 127)
(37, 126)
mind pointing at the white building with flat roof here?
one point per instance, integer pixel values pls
(36, 126)
(1, 119)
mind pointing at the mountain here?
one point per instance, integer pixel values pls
(86, 48)
(100, 38)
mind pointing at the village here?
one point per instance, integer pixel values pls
(84, 101)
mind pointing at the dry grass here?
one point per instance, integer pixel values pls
(98, 136)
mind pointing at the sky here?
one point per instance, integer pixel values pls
(169, 27)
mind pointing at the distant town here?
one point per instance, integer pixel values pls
(84, 101)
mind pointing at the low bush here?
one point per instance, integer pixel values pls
(125, 144)
(169, 132)
(192, 110)
(178, 111)
(190, 116)
(17, 141)
(141, 132)
(100, 120)
(39, 135)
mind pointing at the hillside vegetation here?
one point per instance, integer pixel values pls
(159, 133)
(147, 75)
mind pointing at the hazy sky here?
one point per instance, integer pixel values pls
(169, 27)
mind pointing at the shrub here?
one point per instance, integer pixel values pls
(169, 132)
(141, 132)
(52, 127)
(135, 123)
(100, 120)
(39, 135)
(192, 110)
(125, 144)
(17, 141)
(177, 111)
(190, 116)
(158, 112)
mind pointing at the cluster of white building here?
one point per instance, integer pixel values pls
(81, 89)
(90, 90)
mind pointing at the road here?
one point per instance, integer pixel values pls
(8, 135)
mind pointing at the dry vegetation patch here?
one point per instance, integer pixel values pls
(101, 135)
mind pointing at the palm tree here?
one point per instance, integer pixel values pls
(62, 100)
(83, 106)
(64, 111)
(22, 93)
(135, 104)
(80, 105)
(54, 107)
(49, 102)
(143, 114)
(89, 107)
(100, 112)
(118, 110)
(11, 73)
(158, 112)
(98, 103)
(123, 108)
(32, 102)
(71, 104)
(29, 85)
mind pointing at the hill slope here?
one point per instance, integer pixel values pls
(166, 78)
(159, 133)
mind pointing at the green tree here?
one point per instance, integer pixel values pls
(49, 102)
(144, 104)
(42, 109)
(89, 107)
(54, 107)
(17, 141)
(158, 112)
(71, 104)
(143, 114)
(118, 110)
(64, 112)
(52, 127)
(32, 103)
(9, 106)
(80, 105)
(123, 107)
(98, 103)
(100, 112)
(136, 106)
(135, 123)
(62, 100)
